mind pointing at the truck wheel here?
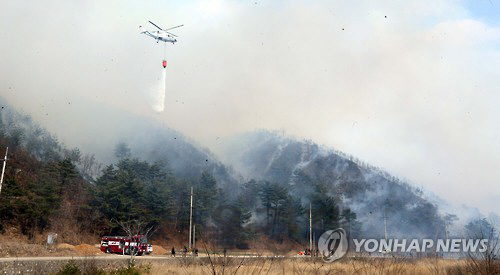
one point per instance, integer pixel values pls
(139, 253)
(108, 250)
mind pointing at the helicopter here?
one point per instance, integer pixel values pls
(161, 34)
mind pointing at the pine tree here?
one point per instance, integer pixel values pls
(349, 222)
(325, 211)
(205, 197)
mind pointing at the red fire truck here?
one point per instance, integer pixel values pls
(136, 245)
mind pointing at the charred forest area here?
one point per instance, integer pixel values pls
(264, 192)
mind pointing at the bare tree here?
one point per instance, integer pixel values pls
(90, 167)
(488, 261)
(134, 228)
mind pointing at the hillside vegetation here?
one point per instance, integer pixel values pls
(49, 187)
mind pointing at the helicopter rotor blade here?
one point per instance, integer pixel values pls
(173, 28)
(171, 34)
(155, 25)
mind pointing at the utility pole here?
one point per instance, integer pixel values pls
(191, 218)
(313, 253)
(3, 169)
(310, 228)
(194, 236)
(385, 226)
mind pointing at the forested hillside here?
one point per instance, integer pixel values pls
(51, 188)
(308, 170)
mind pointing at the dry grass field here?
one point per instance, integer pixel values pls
(316, 266)
(254, 266)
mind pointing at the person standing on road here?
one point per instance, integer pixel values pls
(173, 252)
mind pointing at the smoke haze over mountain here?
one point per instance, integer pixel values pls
(407, 86)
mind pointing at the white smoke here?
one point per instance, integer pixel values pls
(158, 97)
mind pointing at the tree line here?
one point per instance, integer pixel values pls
(38, 195)
(49, 187)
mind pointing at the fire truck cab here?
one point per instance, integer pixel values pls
(136, 245)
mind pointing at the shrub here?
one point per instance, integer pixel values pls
(70, 268)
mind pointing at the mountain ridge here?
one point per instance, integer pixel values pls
(301, 166)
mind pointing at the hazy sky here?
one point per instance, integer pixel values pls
(410, 86)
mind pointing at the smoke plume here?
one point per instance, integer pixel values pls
(158, 103)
